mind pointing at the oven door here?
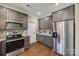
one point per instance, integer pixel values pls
(14, 45)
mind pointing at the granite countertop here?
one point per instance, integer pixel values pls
(45, 34)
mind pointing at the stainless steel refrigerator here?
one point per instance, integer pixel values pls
(63, 36)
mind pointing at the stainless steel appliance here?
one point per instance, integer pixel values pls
(14, 25)
(63, 35)
(14, 43)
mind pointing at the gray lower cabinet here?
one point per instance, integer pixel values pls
(47, 40)
(26, 42)
(2, 49)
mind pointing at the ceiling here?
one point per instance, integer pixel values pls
(35, 8)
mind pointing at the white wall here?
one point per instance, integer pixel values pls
(34, 20)
(77, 29)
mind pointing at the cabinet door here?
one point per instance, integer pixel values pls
(55, 16)
(27, 42)
(72, 16)
(46, 23)
(19, 16)
(25, 21)
(2, 12)
(11, 15)
(60, 15)
(48, 40)
(41, 24)
(0, 49)
(50, 23)
(66, 14)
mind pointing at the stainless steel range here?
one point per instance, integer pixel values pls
(14, 43)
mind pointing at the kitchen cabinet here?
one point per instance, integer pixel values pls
(2, 49)
(40, 38)
(45, 23)
(55, 16)
(11, 17)
(25, 21)
(41, 24)
(2, 18)
(14, 15)
(68, 13)
(47, 40)
(26, 42)
(11, 14)
(2, 12)
(19, 17)
(2, 24)
(64, 14)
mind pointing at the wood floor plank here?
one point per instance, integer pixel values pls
(38, 49)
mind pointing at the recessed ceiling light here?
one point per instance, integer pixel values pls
(38, 13)
(57, 3)
(28, 5)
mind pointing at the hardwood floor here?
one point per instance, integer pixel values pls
(38, 49)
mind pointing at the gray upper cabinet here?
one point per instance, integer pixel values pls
(41, 24)
(72, 12)
(68, 13)
(64, 14)
(2, 18)
(19, 17)
(55, 16)
(25, 21)
(14, 15)
(11, 14)
(45, 23)
(2, 12)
